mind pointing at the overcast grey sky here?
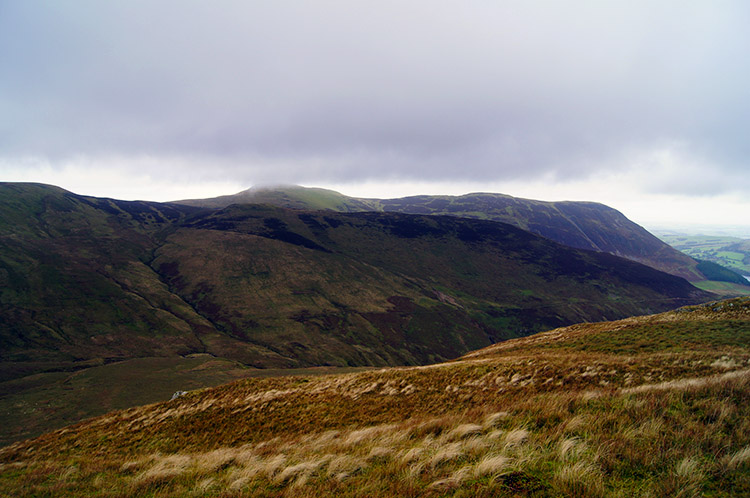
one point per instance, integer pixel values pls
(639, 104)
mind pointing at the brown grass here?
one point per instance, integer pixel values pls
(664, 423)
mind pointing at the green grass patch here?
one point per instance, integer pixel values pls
(663, 337)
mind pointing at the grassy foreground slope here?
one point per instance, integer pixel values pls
(646, 406)
(43, 402)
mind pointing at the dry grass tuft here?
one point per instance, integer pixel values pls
(575, 423)
(205, 485)
(358, 436)
(494, 435)
(453, 481)
(738, 458)
(465, 430)
(273, 465)
(380, 453)
(570, 448)
(725, 363)
(344, 466)
(166, 467)
(411, 454)
(215, 460)
(516, 437)
(446, 453)
(475, 445)
(581, 479)
(132, 466)
(301, 472)
(686, 480)
(491, 465)
(494, 418)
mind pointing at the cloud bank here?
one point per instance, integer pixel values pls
(345, 92)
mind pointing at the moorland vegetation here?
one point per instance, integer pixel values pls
(644, 406)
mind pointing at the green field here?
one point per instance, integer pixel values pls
(725, 288)
(731, 252)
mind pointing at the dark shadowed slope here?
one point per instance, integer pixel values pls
(582, 225)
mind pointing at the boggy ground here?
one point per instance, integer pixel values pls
(647, 406)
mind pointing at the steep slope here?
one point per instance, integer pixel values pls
(582, 225)
(77, 286)
(385, 288)
(97, 280)
(650, 406)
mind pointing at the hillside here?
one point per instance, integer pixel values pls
(582, 225)
(277, 288)
(78, 289)
(645, 406)
(490, 281)
(91, 284)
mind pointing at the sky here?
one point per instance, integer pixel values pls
(641, 105)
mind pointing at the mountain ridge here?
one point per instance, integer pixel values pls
(578, 224)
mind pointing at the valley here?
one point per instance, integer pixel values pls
(351, 352)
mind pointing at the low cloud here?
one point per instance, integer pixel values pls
(325, 92)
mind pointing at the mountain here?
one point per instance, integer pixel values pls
(582, 225)
(77, 287)
(272, 287)
(645, 406)
(90, 284)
